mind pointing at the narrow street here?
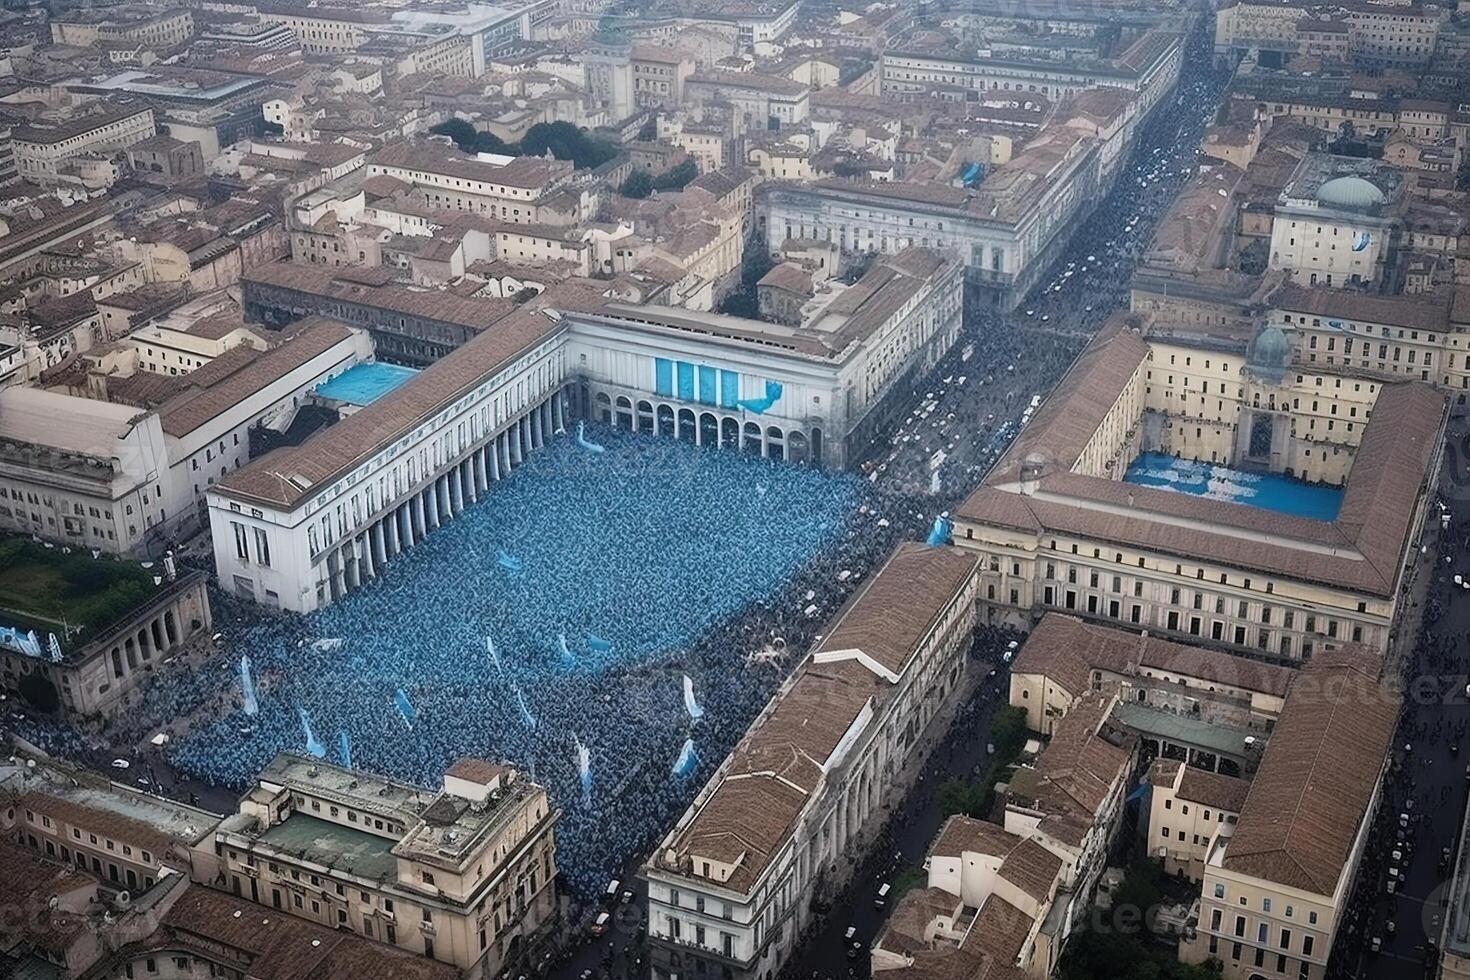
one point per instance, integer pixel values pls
(1415, 837)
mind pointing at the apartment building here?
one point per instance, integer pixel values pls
(464, 876)
(1147, 69)
(1064, 658)
(40, 147)
(730, 887)
(129, 840)
(514, 190)
(151, 27)
(1189, 810)
(760, 101)
(1415, 337)
(1276, 882)
(984, 911)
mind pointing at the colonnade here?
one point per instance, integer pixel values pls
(358, 558)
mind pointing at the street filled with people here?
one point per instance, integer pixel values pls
(1393, 924)
(568, 607)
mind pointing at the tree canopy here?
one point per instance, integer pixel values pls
(567, 142)
(639, 184)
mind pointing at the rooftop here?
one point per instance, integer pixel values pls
(64, 422)
(286, 477)
(335, 846)
(830, 331)
(89, 800)
(188, 411)
(1067, 650)
(778, 768)
(1308, 799)
(1361, 550)
(278, 946)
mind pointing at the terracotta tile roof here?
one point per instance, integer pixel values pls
(1073, 776)
(1310, 795)
(186, 412)
(1213, 789)
(1000, 930)
(960, 834)
(780, 765)
(907, 930)
(375, 288)
(279, 946)
(888, 617)
(525, 173)
(101, 822)
(755, 81)
(1362, 550)
(1067, 650)
(1066, 420)
(1416, 312)
(287, 476)
(1031, 868)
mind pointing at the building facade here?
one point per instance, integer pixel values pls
(730, 887)
(463, 876)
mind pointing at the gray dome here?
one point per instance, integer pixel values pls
(1272, 347)
(1350, 192)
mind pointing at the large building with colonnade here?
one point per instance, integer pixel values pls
(300, 527)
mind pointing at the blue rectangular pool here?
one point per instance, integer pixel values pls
(363, 384)
(1269, 491)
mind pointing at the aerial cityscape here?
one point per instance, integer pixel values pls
(767, 490)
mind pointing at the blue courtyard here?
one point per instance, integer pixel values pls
(1269, 491)
(363, 384)
(564, 610)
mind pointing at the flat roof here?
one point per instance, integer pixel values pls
(65, 422)
(1180, 728)
(341, 848)
(91, 800)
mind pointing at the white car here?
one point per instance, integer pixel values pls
(120, 763)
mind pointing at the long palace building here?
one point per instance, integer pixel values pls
(302, 526)
(1058, 527)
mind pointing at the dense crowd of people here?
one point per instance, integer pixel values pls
(567, 614)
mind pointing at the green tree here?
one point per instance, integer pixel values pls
(638, 184)
(463, 134)
(567, 142)
(490, 143)
(649, 130)
(676, 177)
(39, 693)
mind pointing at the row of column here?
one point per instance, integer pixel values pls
(360, 556)
(158, 635)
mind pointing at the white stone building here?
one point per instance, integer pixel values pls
(730, 887)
